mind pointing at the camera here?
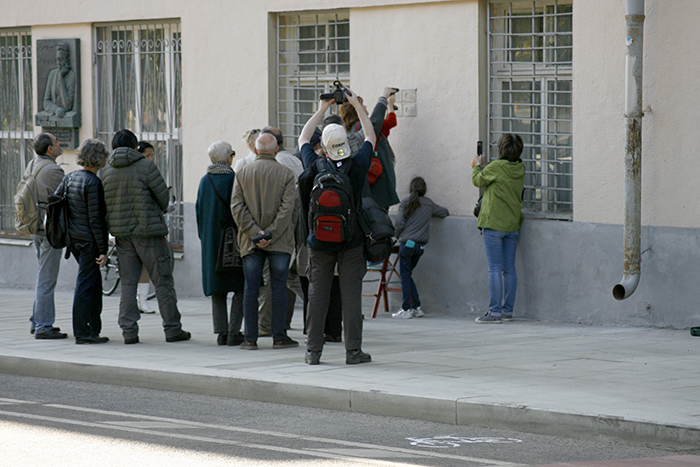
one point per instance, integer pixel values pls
(338, 93)
(259, 237)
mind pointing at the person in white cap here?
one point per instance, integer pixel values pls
(348, 255)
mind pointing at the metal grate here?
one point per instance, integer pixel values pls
(138, 85)
(16, 127)
(530, 88)
(313, 51)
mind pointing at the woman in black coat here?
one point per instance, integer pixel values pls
(213, 208)
(87, 229)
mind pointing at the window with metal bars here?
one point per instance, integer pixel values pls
(530, 88)
(313, 51)
(16, 126)
(138, 86)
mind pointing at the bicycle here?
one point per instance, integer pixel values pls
(110, 270)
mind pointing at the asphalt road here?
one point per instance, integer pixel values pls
(57, 423)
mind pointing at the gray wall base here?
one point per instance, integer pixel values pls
(566, 272)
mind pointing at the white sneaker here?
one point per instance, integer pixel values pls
(417, 313)
(402, 314)
(142, 297)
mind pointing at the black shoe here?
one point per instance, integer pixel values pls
(235, 339)
(183, 336)
(91, 340)
(329, 338)
(52, 334)
(31, 330)
(313, 357)
(353, 357)
(285, 343)
(131, 340)
(246, 345)
(221, 338)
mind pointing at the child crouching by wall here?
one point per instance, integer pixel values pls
(412, 229)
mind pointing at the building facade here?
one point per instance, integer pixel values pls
(552, 71)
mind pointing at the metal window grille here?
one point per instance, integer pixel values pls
(313, 51)
(16, 127)
(530, 88)
(138, 86)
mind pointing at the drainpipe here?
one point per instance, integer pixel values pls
(633, 149)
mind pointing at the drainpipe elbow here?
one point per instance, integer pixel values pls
(626, 287)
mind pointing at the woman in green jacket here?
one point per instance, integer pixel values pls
(500, 218)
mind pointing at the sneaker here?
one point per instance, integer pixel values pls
(488, 319)
(402, 314)
(506, 317)
(417, 312)
(183, 336)
(285, 343)
(312, 357)
(52, 334)
(246, 345)
(235, 339)
(91, 340)
(353, 357)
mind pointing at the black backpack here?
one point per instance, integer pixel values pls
(332, 208)
(378, 229)
(57, 218)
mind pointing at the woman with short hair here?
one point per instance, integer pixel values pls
(213, 208)
(87, 229)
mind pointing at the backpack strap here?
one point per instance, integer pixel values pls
(324, 165)
(221, 198)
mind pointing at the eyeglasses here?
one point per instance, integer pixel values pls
(233, 153)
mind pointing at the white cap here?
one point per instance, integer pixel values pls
(335, 142)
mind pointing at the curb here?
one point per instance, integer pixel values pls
(454, 412)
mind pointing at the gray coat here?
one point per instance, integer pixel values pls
(136, 195)
(47, 180)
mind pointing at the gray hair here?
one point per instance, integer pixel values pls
(219, 152)
(266, 144)
(92, 153)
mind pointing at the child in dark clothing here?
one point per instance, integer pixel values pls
(412, 229)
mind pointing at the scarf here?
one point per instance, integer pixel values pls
(219, 168)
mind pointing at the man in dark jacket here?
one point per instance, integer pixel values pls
(136, 196)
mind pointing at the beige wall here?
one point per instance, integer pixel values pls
(432, 46)
(408, 47)
(669, 132)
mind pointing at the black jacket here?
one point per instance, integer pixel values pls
(87, 212)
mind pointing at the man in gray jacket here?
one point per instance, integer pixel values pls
(136, 196)
(48, 178)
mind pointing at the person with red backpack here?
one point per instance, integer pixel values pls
(331, 192)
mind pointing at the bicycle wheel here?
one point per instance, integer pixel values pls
(110, 273)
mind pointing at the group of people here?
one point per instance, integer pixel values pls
(128, 200)
(284, 254)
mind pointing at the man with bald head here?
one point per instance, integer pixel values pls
(263, 206)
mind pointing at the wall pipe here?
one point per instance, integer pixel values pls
(633, 150)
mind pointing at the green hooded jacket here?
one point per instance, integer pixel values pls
(501, 207)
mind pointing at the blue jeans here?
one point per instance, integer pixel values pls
(87, 299)
(44, 309)
(253, 271)
(408, 258)
(503, 280)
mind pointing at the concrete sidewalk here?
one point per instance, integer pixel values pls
(636, 385)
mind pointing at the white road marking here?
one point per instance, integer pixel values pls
(323, 453)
